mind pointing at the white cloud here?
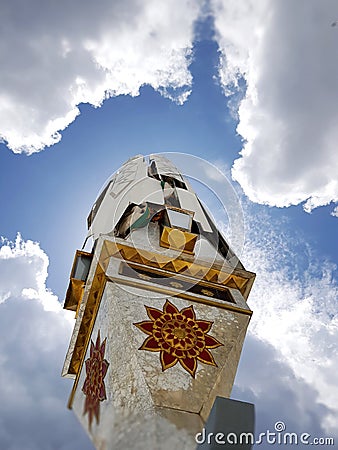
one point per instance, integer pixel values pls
(286, 52)
(334, 213)
(294, 300)
(27, 258)
(34, 337)
(57, 55)
(278, 394)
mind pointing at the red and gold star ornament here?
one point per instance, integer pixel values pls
(94, 387)
(178, 336)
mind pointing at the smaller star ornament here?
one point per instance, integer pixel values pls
(94, 387)
(178, 336)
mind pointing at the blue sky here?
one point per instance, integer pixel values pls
(284, 121)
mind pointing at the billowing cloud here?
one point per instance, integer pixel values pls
(285, 51)
(56, 55)
(294, 299)
(35, 331)
(334, 213)
(28, 260)
(279, 395)
(292, 355)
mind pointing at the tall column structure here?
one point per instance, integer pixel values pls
(161, 312)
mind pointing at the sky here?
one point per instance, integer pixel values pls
(248, 86)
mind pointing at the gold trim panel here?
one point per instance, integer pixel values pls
(75, 288)
(86, 327)
(177, 239)
(93, 298)
(237, 278)
(74, 294)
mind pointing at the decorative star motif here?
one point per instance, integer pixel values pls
(178, 336)
(94, 387)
